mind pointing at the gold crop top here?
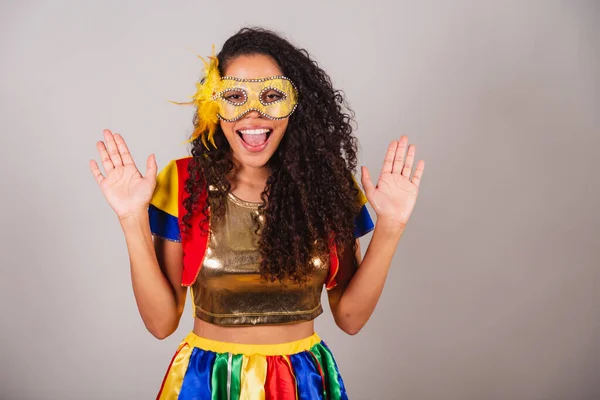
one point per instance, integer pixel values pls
(229, 289)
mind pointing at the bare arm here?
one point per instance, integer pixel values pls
(156, 267)
(156, 270)
(353, 300)
(393, 199)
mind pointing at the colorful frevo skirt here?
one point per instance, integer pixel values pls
(209, 369)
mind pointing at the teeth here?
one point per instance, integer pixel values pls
(255, 131)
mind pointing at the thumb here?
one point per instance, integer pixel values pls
(151, 168)
(365, 178)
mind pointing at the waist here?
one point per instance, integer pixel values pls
(252, 335)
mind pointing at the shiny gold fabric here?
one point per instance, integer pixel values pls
(229, 289)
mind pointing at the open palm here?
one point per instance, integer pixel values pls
(395, 195)
(124, 187)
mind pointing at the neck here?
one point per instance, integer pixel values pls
(251, 176)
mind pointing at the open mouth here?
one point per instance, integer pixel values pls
(254, 137)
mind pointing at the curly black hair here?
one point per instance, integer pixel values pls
(310, 195)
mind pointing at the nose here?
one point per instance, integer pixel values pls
(253, 114)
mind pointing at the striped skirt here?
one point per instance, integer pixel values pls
(210, 369)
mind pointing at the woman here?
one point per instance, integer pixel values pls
(262, 215)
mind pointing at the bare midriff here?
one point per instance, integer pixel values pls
(260, 334)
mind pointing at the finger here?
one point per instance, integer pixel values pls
(113, 151)
(416, 179)
(123, 150)
(410, 159)
(151, 168)
(104, 157)
(96, 171)
(365, 178)
(388, 163)
(399, 156)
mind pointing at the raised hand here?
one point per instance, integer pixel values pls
(395, 195)
(125, 189)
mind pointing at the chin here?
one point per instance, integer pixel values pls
(254, 162)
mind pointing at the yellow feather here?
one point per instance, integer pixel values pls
(204, 99)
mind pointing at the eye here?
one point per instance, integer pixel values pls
(235, 96)
(271, 96)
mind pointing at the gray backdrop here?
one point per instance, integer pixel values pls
(494, 290)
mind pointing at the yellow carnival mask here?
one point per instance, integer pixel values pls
(230, 98)
(275, 97)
